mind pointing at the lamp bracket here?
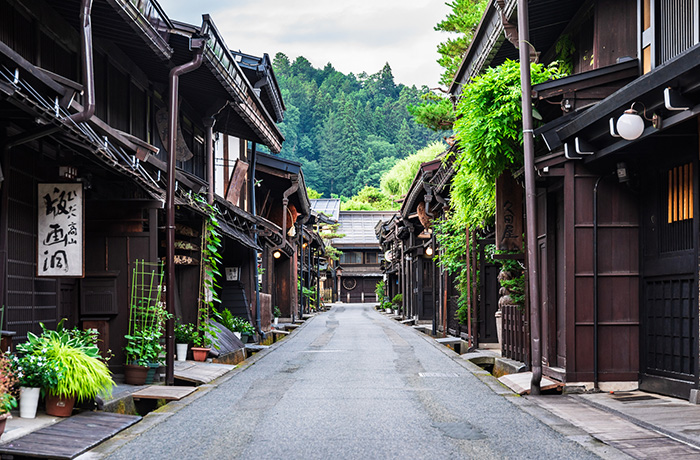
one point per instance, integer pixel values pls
(674, 100)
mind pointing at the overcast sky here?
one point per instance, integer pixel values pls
(354, 36)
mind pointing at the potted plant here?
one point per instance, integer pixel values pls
(147, 317)
(202, 345)
(184, 335)
(397, 301)
(81, 371)
(7, 401)
(276, 313)
(34, 373)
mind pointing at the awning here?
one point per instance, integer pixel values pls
(239, 236)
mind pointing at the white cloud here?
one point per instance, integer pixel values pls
(354, 36)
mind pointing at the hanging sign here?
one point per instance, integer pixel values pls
(60, 230)
(509, 214)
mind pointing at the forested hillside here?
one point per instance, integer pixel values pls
(346, 130)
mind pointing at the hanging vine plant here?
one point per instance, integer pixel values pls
(210, 270)
(489, 131)
(488, 128)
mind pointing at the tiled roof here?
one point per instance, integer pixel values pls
(328, 206)
(358, 227)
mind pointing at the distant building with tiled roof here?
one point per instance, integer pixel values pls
(359, 262)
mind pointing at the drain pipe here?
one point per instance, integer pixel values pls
(88, 64)
(208, 123)
(174, 79)
(530, 198)
(254, 212)
(595, 283)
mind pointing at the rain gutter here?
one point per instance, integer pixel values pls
(196, 45)
(530, 196)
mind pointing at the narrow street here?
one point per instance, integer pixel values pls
(350, 383)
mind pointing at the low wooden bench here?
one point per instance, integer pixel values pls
(252, 348)
(453, 342)
(278, 334)
(424, 328)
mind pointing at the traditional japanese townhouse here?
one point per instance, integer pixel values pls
(328, 211)
(85, 131)
(358, 270)
(616, 230)
(283, 210)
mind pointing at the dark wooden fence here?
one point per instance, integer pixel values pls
(515, 344)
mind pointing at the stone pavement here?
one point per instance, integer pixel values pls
(619, 425)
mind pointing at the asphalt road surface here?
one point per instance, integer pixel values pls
(351, 384)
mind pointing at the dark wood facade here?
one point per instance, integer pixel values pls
(617, 237)
(119, 156)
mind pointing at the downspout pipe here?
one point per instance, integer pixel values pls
(88, 64)
(530, 196)
(254, 212)
(595, 283)
(428, 199)
(174, 79)
(285, 202)
(209, 125)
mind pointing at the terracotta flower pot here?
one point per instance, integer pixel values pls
(3, 421)
(59, 406)
(135, 375)
(200, 354)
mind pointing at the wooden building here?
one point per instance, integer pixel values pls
(358, 270)
(84, 117)
(616, 229)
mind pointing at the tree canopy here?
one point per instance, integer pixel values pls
(346, 130)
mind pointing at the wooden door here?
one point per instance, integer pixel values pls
(669, 334)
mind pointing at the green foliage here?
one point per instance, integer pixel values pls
(398, 179)
(211, 261)
(147, 315)
(512, 276)
(184, 332)
(370, 199)
(312, 194)
(345, 129)
(380, 290)
(34, 370)
(81, 375)
(462, 21)
(565, 49)
(397, 300)
(276, 312)
(235, 323)
(81, 371)
(489, 132)
(451, 235)
(435, 112)
(8, 380)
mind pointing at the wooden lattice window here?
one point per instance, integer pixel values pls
(680, 193)
(676, 230)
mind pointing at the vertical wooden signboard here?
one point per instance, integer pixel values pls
(509, 214)
(60, 230)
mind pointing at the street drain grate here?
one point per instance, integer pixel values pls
(460, 430)
(636, 398)
(437, 374)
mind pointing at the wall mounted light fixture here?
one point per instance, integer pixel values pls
(630, 125)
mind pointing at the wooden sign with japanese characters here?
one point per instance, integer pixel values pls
(60, 230)
(509, 214)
